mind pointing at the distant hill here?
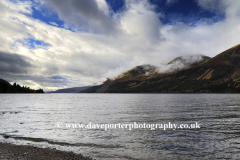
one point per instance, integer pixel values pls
(6, 87)
(70, 90)
(91, 89)
(220, 74)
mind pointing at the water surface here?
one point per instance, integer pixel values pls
(32, 119)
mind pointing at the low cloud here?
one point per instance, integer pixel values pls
(180, 63)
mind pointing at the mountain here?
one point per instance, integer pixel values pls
(186, 61)
(70, 90)
(6, 87)
(220, 74)
(176, 64)
(137, 71)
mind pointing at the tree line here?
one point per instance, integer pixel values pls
(6, 87)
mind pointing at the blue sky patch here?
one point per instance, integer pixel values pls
(180, 11)
(116, 5)
(33, 43)
(183, 11)
(49, 19)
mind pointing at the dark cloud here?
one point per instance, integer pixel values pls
(14, 63)
(83, 14)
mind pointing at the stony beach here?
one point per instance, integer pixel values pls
(21, 152)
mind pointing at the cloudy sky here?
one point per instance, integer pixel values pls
(54, 44)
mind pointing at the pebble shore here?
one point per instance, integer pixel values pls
(20, 152)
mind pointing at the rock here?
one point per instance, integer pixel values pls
(6, 136)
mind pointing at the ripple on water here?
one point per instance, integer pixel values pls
(36, 117)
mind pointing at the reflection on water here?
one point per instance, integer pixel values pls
(32, 120)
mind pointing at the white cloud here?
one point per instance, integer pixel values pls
(126, 39)
(53, 23)
(170, 2)
(19, 6)
(231, 9)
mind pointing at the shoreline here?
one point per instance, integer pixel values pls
(24, 152)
